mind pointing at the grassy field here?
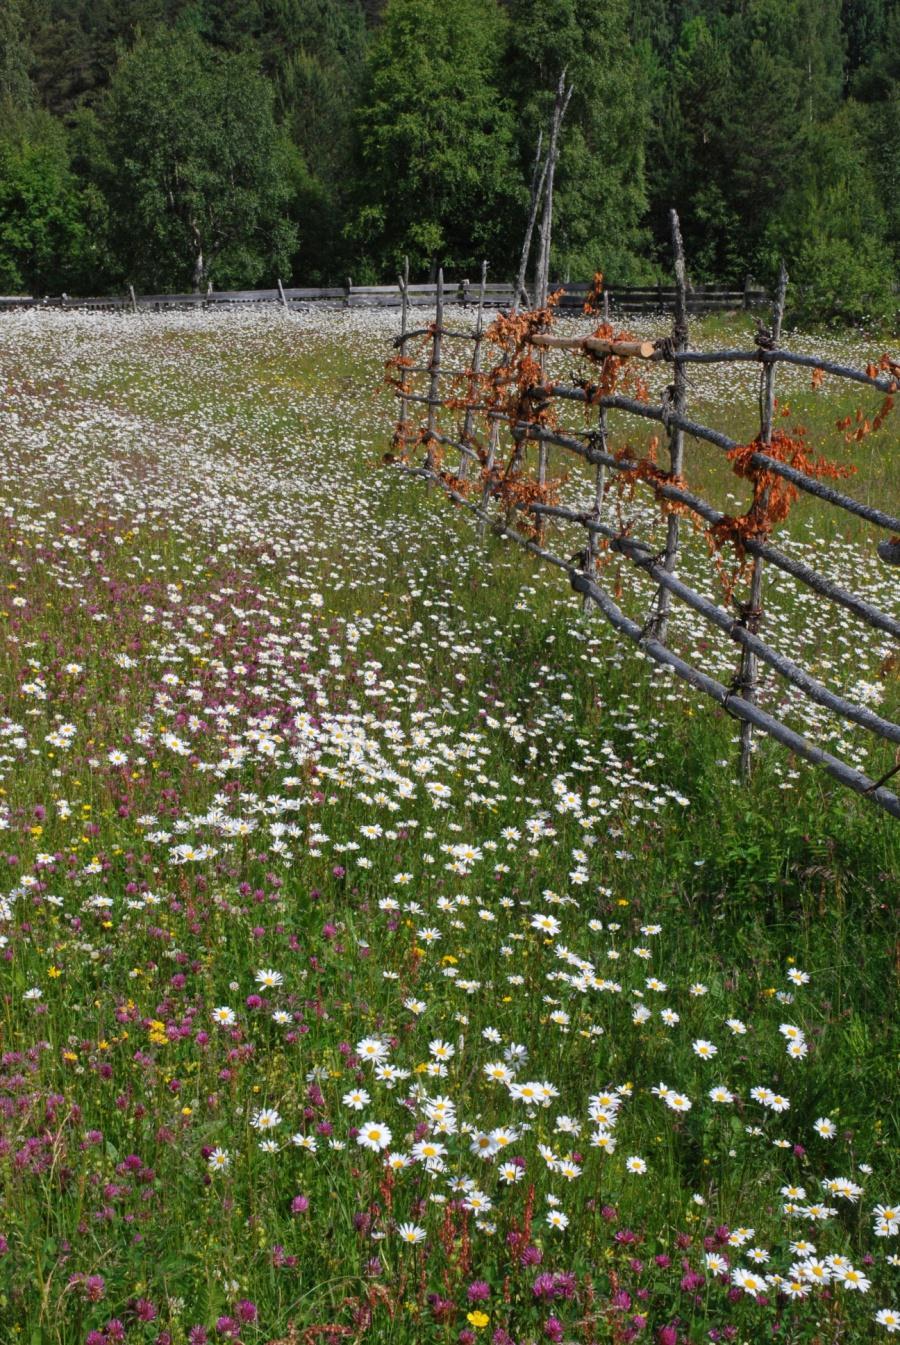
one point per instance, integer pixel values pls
(389, 954)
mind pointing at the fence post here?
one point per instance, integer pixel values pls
(675, 400)
(348, 286)
(435, 368)
(747, 288)
(133, 299)
(403, 282)
(590, 551)
(475, 369)
(282, 294)
(751, 611)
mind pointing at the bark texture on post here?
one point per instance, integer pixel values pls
(435, 367)
(469, 420)
(676, 400)
(752, 610)
(403, 282)
(590, 551)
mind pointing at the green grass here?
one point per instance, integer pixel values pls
(476, 658)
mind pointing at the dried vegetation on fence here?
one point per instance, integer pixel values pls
(485, 433)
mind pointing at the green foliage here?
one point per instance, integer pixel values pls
(42, 206)
(314, 51)
(365, 130)
(599, 196)
(435, 137)
(198, 175)
(834, 229)
(15, 57)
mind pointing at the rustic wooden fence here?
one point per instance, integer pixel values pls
(623, 298)
(493, 410)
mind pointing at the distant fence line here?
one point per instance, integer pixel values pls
(622, 298)
(513, 395)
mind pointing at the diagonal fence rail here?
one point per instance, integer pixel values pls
(489, 413)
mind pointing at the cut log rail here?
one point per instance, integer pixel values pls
(481, 448)
(644, 350)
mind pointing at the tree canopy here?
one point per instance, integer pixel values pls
(197, 172)
(175, 142)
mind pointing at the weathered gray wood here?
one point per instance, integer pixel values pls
(538, 178)
(883, 383)
(866, 611)
(698, 431)
(752, 610)
(643, 556)
(735, 705)
(624, 298)
(678, 396)
(542, 275)
(590, 551)
(403, 282)
(469, 418)
(434, 386)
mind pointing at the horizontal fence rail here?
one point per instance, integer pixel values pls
(622, 298)
(492, 413)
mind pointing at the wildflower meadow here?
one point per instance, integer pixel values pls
(388, 954)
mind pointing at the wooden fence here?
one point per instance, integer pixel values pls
(491, 413)
(622, 298)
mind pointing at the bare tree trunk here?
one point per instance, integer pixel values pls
(542, 278)
(538, 178)
(563, 94)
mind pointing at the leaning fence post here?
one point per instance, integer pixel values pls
(751, 613)
(475, 370)
(133, 299)
(282, 295)
(676, 400)
(435, 369)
